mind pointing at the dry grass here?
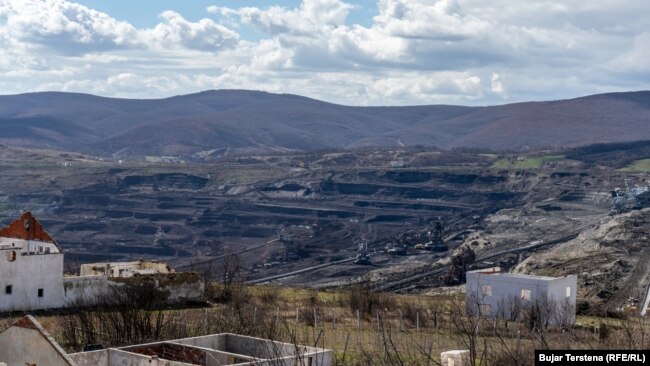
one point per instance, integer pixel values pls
(404, 330)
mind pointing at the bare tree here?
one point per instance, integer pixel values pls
(230, 275)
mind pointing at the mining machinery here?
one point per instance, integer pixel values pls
(362, 256)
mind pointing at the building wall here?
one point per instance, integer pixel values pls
(565, 305)
(123, 358)
(23, 346)
(214, 341)
(286, 352)
(94, 358)
(280, 353)
(84, 291)
(91, 290)
(26, 274)
(30, 246)
(506, 296)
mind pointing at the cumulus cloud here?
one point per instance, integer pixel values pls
(64, 25)
(204, 35)
(307, 20)
(68, 27)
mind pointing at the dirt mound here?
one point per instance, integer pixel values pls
(610, 259)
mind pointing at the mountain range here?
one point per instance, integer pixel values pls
(248, 121)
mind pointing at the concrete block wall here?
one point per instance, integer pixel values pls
(124, 358)
(84, 291)
(171, 352)
(94, 358)
(213, 341)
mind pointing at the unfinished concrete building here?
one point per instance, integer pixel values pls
(27, 343)
(549, 301)
(31, 273)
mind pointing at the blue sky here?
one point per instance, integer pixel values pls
(144, 13)
(384, 52)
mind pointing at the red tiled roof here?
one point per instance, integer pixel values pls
(26, 228)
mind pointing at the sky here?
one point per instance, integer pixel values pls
(386, 52)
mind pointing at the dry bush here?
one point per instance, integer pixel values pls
(367, 301)
(414, 313)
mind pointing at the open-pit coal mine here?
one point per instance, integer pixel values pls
(331, 219)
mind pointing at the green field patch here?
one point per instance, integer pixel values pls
(535, 162)
(642, 165)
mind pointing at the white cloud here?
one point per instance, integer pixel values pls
(204, 35)
(63, 25)
(71, 28)
(307, 20)
(496, 85)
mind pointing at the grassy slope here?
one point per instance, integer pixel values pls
(642, 165)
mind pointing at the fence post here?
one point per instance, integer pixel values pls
(345, 349)
(358, 320)
(207, 324)
(518, 339)
(378, 321)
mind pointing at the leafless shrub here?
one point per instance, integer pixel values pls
(415, 314)
(367, 301)
(230, 281)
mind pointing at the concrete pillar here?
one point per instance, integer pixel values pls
(455, 358)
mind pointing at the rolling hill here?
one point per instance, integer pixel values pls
(242, 120)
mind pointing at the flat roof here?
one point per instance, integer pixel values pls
(496, 271)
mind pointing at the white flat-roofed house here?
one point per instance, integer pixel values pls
(547, 301)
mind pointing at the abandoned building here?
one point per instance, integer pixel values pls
(125, 269)
(28, 343)
(549, 301)
(31, 273)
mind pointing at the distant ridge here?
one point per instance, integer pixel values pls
(245, 120)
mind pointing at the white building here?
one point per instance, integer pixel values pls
(27, 343)
(545, 300)
(31, 273)
(31, 267)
